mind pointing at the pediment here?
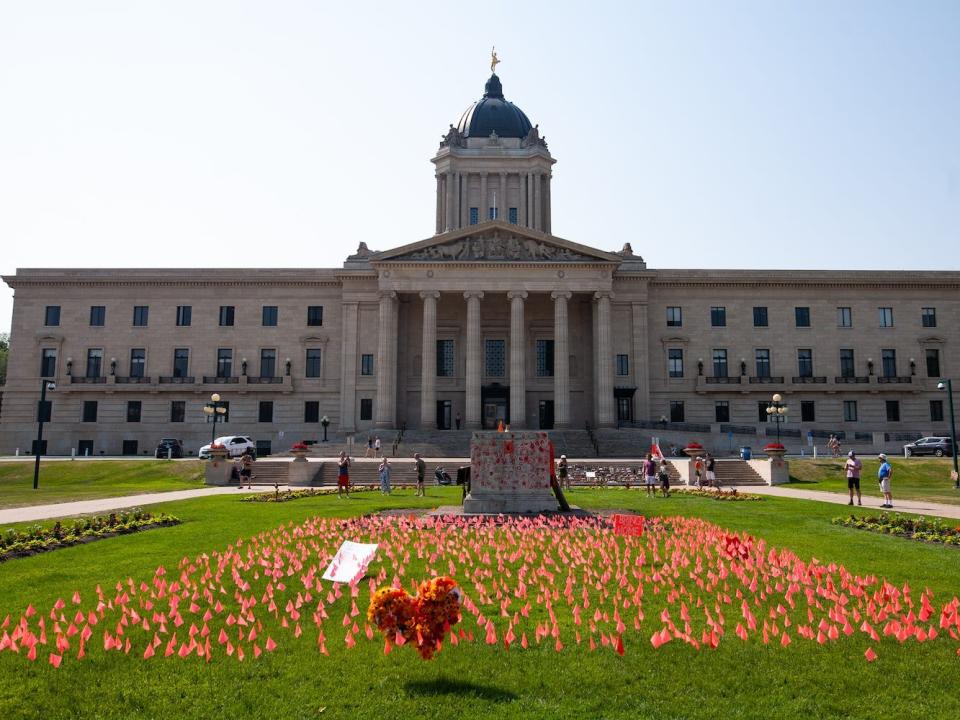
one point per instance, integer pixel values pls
(496, 241)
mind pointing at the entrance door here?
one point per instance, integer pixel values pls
(546, 414)
(624, 410)
(443, 414)
(496, 405)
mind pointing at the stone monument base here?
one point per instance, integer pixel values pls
(509, 473)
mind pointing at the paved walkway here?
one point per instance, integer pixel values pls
(917, 507)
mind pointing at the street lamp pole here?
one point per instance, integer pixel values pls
(777, 411)
(948, 386)
(41, 417)
(325, 421)
(216, 411)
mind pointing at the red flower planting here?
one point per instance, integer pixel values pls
(774, 446)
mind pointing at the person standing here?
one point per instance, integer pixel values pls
(369, 446)
(650, 473)
(421, 473)
(343, 475)
(384, 471)
(711, 470)
(457, 420)
(246, 469)
(664, 476)
(376, 446)
(853, 467)
(562, 473)
(698, 471)
(883, 475)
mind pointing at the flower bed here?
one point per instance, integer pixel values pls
(913, 528)
(287, 495)
(38, 539)
(774, 446)
(730, 495)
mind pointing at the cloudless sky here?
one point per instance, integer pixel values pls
(768, 134)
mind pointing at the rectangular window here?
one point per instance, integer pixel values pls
(134, 408)
(676, 411)
(933, 362)
(718, 316)
(849, 410)
(720, 362)
(178, 411)
(181, 362)
(141, 315)
(44, 412)
(544, 358)
(366, 364)
(512, 216)
(888, 358)
(492, 213)
(268, 363)
(494, 357)
(760, 317)
(48, 363)
(936, 410)
(928, 316)
(138, 362)
(844, 317)
(847, 368)
(446, 362)
(675, 362)
(311, 411)
(270, 313)
(762, 358)
(226, 415)
(315, 315)
(474, 215)
(265, 411)
(802, 315)
(98, 315)
(51, 316)
(893, 410)
(805, 362)
(366, 409)
(886, 317)
(623, 365)
(184, 315)
(224, 362)
(94, 362)
(89, 411)
(721, 411)
(807, 411)
(312, 366)
(226, 315)
(674, 317)
(762, 415)
(129, 447)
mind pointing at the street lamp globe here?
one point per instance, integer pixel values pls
(215, 397)
(777, 397)
(208, 410)
(940, 385)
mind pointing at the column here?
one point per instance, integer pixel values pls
(348, 368)
(428, 363)
(640, 364)
(472, 411)
(522, 177)
(547, 225)
(449, 204)
(503, 205)
(463, 212)
(484, 209)
(604, 361)
(518, 365)
(561, 360)
(537, 203)
(385, 414)
(440, 195)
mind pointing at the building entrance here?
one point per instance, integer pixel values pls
(443, 414)
(495, 400)
(546, 414)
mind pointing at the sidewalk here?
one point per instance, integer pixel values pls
(916, 507)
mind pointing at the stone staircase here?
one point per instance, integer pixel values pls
(367, 472)
(736, 472)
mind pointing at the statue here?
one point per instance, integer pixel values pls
(494, 60)
(533, 138)
(453, 138)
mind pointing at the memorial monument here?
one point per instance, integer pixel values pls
(510, 473)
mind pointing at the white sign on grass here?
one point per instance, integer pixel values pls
(350, 562)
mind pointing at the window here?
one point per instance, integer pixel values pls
(844, 317)
(936, 410)
(226, 315)
(718, 316)
(270, 315)
(178, 411)
(721, 411)
(129, 447)
(141, 315)
(933, 362)
(512, 216)
(226, 415)
(51, 316)
(623, 365)
(311, 411)
(84, 447)
(675, 362)
(89, 411)
(138, 362)
(445, 358)
(893, 410)
(805, 362)
(849, 410)
(802, 315)
(474, 215)
(265, 411)
(889, 360)
(544, 358)
(134, 407)
(45, 411)
(760, 317)
(224, 362)
(366, 364)
(676, 411)
(98, 315)
(847, 369)
(762, 362)
(181, 362)
(720, 362)
(492, 213)
(808, 411)
(268, 363)
(494, 357)
(43, 447)
(94, 362)
(674, 317)
(886, 317)
(762, 415)
(48, 363)
(928, 316)
(366, 409)
(184, 315)
(312, 367)
(315, 315)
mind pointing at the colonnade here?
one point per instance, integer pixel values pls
(454, 200)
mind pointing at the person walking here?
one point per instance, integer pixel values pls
(343, 475)
(711, 471)
(369, 446)
(664, 475)
(421, 473)
(246, 469)
(384, 471)
(853, 467)
(376, 446)
(650, 474)
(698, 471)
(883, 475)
(562, 473)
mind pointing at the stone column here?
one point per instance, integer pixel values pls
(503, 205)
(348, 368)
(640, 362)
(449, 204)
(385, 415)
(546, 199)
(561, 360)
(522, 177)
(537, 203)
(440, 195)
(483, 213)
(604, 388)
(518, 365)
(428, 364)
(472, 411)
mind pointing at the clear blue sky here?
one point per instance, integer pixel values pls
(708, 134)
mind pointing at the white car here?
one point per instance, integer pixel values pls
(236, 446)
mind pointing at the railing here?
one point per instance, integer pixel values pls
(592, 438)
(87, 380)
(220, 380)
(850, 379)
(256, 380)
(723, 380)
(809, 379)
(767, 380)
(784, 432)
(894, 379)
(133, 379)
(176, 379)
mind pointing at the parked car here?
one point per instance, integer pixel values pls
(938, 446)
(236, 446)
(169, 448)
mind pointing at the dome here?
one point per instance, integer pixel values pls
(492, 113)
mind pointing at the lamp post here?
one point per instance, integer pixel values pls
(325, 421)
(777, 412)
(41, 418)
(215, 410)
(948, 386)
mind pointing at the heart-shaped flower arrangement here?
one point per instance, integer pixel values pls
(423, 620)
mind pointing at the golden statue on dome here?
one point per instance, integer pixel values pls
(494, 60)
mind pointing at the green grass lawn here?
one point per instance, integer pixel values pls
(913, 478)
(63, 481)
(475, 680)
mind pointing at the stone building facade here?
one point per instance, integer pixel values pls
(492, 318)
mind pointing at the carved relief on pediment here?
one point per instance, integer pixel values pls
(496, 246)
